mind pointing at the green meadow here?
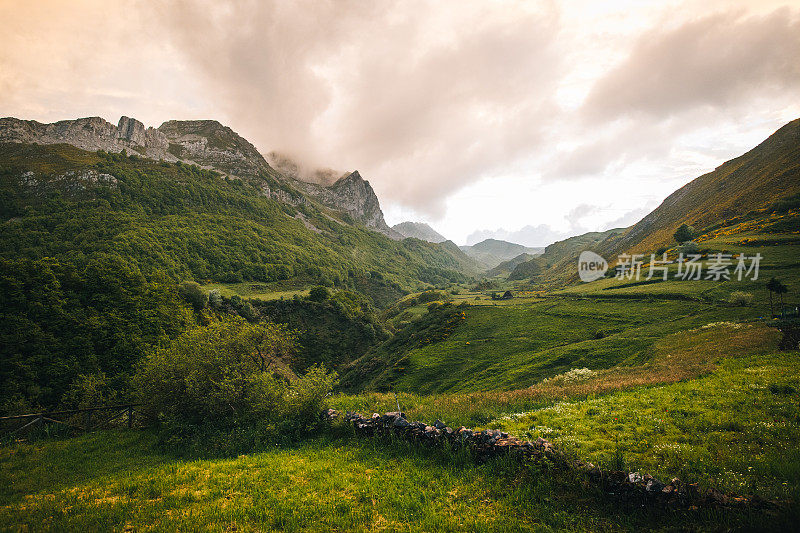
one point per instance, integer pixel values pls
(118, 481)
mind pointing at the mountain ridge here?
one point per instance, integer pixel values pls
(210, 145)
(753, 180)
(489, 253)
(419, 230)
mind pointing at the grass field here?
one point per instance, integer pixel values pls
(260, 291)
(515, 346)
(118, 481)
(667, 378)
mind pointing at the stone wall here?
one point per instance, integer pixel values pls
(489, 443)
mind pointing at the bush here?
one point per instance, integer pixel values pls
(740, 298)
(318, 294)
(215, 299)
(689, 247)
(89, 390)
(684, 233)
(227, 388)
(193, 293)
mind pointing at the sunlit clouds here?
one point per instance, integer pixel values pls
(562, 117)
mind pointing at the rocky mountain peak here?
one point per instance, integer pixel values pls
(350, 193)
(419, 230)
(354, 195)
(90, 133)
(208, 144)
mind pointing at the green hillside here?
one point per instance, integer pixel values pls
(506, 267)
(598, 325)
(489, 253)
(191, 224)
(556, 264)
(93, 246)
(764, 175)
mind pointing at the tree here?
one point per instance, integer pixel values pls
(215, 299)
(226, 387)
(318, 294)
(780, 290)
(775, 285)
(193, 293)
(684, 233)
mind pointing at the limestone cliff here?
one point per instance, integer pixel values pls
(353, 195)
(93, 133)
(208, 144)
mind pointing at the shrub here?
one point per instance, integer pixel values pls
(89, 390)
(193, 293)
(215, 299)
(227, 388)
(572, 376)
(318, 294)
(248, 312)
(740, 298)
(689, 247)
(684, 233)
(432, 295)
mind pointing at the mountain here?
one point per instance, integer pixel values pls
(556, 263)
(754, 180)
(507, 266)
(354, 196)
(188, 176)
(346, 192)
(210, 145)
(103, 227)
(419, 230)
(491, 252)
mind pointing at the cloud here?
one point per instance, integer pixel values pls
(537, 236)
(678, 78)
(616, 101)
(421, 97)
(716, 61)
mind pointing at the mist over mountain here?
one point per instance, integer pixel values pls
(533, 236)
(211, 145)
(419, 230)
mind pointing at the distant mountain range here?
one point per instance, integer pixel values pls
(491, 252)
(419, 230)
(506, 267)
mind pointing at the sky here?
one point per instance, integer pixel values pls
(529, 121)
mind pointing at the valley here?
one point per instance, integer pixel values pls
(177, 267)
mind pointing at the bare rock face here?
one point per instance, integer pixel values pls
(92, 133)
(353, 195)
(208, 143)
(349, 192)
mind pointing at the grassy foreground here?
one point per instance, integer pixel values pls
(117, 481)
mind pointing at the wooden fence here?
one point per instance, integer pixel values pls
(78, 419)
